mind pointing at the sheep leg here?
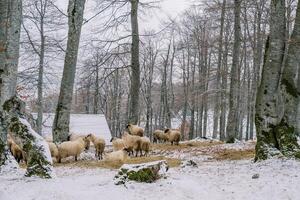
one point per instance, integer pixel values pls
(76, 158)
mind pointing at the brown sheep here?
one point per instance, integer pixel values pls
(132, 142)
(117, 143)
(99, 145)
(16, 151)
(73, 148)
(135, 130)
(159, 136)
(173, 135)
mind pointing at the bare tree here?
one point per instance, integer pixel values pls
(135, 64)
(267, 101)
(10, 24)
(232, 120)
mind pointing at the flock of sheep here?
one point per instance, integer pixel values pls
(132, 141)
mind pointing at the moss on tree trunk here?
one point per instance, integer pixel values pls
(36, 149)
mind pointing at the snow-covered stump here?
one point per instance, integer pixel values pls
(39, 161)
(145, 172)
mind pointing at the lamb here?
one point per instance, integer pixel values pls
(159, 136)
(73, 148)
(117, 143)
(145, 145)
(173, 135)
(99, 145)
(132, 142)
(118, 156)
(135, 130)
(53, 150)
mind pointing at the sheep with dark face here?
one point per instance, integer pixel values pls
(173, 135)
(135, 130)
(159, 136)
(73, 148)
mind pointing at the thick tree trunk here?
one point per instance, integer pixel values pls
(135, 65)
(39, 161)
(62, 115)
(10, 24)
(286, 130)
(218, 81)
(232, 121)
(268, 108)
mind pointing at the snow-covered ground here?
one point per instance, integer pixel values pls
(212, 179)
(278, 179)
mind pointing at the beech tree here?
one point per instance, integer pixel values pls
(60, 128)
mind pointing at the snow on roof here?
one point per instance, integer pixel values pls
(81, 124)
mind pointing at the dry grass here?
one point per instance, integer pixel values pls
(232, 154)
(185, 145)
(172, 162)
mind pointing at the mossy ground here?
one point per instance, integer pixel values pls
(144, 175)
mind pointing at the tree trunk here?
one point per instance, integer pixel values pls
(62, 115)
(224, 85)
(268, 111)
(220, 50)
(193, 96)
(39, 161)
(135, 65)
(10, 24)
(286, 130)
(232, 121)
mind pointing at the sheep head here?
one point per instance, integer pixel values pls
(86, 142)
(167, 130)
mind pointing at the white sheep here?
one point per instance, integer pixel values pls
(135, 130)
(173, 135)
(132, 142)
(117, 143)
(159, 136)
(99, 145)
(145, 145)
(118, 156)
(73, 148)
(53, 150)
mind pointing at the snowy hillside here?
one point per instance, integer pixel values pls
(81, 124)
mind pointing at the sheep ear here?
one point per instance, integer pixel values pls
(111, 139)
(127, 125)
(167, 130)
